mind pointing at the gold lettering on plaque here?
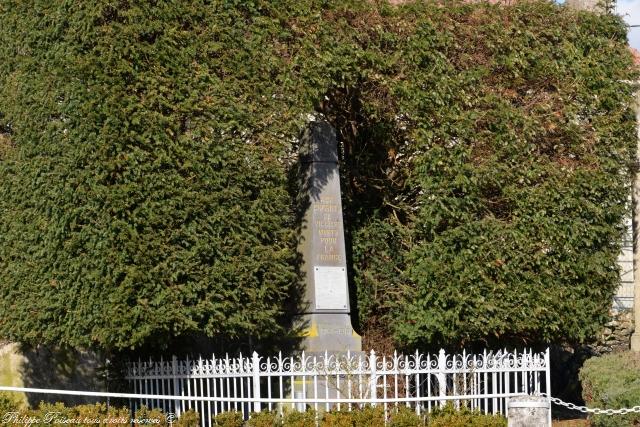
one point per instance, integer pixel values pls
(328, 227)
(327, 224)
(329, 257)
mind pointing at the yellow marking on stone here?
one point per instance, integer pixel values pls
(311, 331)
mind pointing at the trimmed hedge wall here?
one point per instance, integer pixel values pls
(144, 191)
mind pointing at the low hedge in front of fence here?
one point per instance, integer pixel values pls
(95, 415)
(450, 417)
(612, 382)
(367, 417)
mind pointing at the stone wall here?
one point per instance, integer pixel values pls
(567, 360)
(10, 371)
(52, 368)
(616, 334)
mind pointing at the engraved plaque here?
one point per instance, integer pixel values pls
(331, 288)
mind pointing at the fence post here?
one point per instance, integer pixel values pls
(547, 372)
(176, 388)
(442, 378)
(374, 377)
(256, 382)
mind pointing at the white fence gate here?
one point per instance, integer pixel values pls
(324, 382)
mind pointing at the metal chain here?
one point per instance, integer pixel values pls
(596, 411)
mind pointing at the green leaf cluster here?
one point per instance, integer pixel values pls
(145, 193)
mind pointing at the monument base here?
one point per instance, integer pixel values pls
(330, 332)
(331, 336)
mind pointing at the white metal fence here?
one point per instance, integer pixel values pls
(324, 382)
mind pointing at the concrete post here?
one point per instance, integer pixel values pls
(529, 411)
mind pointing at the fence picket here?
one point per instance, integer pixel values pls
(442, 382)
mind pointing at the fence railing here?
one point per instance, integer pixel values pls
(342, 382)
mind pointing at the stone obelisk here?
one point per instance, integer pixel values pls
(326, 318)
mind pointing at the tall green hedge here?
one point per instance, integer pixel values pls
(145, 193)
(147, 197)
(510, 139)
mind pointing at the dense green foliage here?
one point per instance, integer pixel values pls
(8, 402)
(612, 382)
(401, 416)
(448, 416)
(145, 191)
(510, 136)
(146, 197)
